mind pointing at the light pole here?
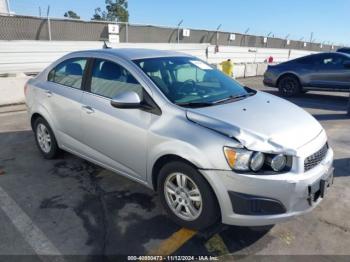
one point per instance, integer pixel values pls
(178, 30)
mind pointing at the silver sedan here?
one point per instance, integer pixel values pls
(212, 149)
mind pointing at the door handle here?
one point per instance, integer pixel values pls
(88, 109)
(48, 93)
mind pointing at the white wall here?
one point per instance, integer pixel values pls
(33, 56)
(253, 55)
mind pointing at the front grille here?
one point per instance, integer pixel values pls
(311, 161)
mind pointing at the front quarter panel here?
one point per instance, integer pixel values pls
(176, 135)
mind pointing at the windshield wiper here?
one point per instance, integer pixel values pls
(206, 104)
(234, 98)
(195, 104)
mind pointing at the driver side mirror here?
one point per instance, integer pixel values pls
(347, 64)
(128, 99)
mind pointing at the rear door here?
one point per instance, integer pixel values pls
(64, 93)
(330, 72)
(114, 137)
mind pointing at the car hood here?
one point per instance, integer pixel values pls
(262, 122)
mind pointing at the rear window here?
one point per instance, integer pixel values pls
(69, 73)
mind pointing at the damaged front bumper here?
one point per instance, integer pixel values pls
(257, 200)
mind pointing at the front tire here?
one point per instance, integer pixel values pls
(187, 197)
(289, 86)
(45, 139)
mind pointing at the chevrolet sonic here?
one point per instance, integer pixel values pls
(214, 150)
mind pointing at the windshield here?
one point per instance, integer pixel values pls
(188, 81)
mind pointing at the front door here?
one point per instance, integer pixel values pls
(330, 72)
(115, 137)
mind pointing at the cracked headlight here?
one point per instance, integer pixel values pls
(237, 158)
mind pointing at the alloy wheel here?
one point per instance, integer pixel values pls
(183, 196)
(43, 137)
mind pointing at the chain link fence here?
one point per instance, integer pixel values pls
(36, 28)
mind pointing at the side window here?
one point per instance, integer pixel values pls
(308, 60)
(69, 73)
(110, 79)
(332, 61)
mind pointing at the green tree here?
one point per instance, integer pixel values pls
(115, 10)
(71, 14)
(98, 15)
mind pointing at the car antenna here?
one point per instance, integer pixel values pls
(105, 46)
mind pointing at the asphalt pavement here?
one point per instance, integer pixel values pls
(69, 206)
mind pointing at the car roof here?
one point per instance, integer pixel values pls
(323, 53)
(134, 53)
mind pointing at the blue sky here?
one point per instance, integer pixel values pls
(329, 20)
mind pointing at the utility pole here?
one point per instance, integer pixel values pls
(178, 30)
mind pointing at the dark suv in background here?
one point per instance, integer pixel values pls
(322, 72)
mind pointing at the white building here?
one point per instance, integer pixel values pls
(4, 7)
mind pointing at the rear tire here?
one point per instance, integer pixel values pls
(289, 86)
(45, 139)
(187, 197)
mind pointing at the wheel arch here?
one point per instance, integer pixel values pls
(288, 74)
(33, 118)
(43, 113)
(161, 161)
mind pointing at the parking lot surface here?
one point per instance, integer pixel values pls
(69, 206)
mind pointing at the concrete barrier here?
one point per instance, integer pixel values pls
(261, 69)
(250, 70)
(238, 70)
(12, 90)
